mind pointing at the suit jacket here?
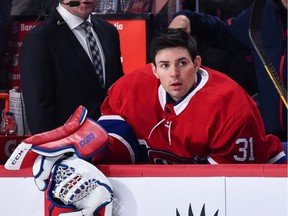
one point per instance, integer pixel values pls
(57, 75)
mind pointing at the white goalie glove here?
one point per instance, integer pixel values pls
(78, 183)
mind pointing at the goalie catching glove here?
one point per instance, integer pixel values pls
(80, 185)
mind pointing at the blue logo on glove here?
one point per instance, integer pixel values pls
(87, 140)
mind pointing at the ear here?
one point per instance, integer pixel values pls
(154, 69)
(197, 62)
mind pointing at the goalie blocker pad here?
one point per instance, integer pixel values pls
(79, 135)
(86, 142)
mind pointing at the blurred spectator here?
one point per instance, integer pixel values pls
(138, 6)
(237, 65)
(163, 11)
(233, 34)
(32, 7)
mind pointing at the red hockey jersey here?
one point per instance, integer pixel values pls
(218, 122)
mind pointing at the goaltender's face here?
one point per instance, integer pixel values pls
(85, 8)
(176, 71)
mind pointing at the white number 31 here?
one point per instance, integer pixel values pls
(244, 151)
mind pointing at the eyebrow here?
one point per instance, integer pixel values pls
(183, 58)
(162, 61)
(177, 60)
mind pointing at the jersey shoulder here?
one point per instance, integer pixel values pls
(139, 79)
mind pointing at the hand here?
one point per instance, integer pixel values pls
(182, 22)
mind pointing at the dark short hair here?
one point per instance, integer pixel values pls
(170, 38)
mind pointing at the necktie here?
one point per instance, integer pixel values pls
(94, 49)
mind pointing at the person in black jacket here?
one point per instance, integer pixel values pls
(57, 74)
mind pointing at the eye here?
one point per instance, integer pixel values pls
(164, 65)
(182, 63)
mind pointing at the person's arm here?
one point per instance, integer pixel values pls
(126, 143)
(36, 70)
(229, 34)
(181, 21)
(123, 144)
(123, 147)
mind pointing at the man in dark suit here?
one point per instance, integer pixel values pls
(57, 73)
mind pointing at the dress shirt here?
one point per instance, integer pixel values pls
(74, 23)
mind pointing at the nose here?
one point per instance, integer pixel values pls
(174, 71)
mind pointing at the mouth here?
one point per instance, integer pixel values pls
(175, 84)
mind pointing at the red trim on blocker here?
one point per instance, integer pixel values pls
(229, 170)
